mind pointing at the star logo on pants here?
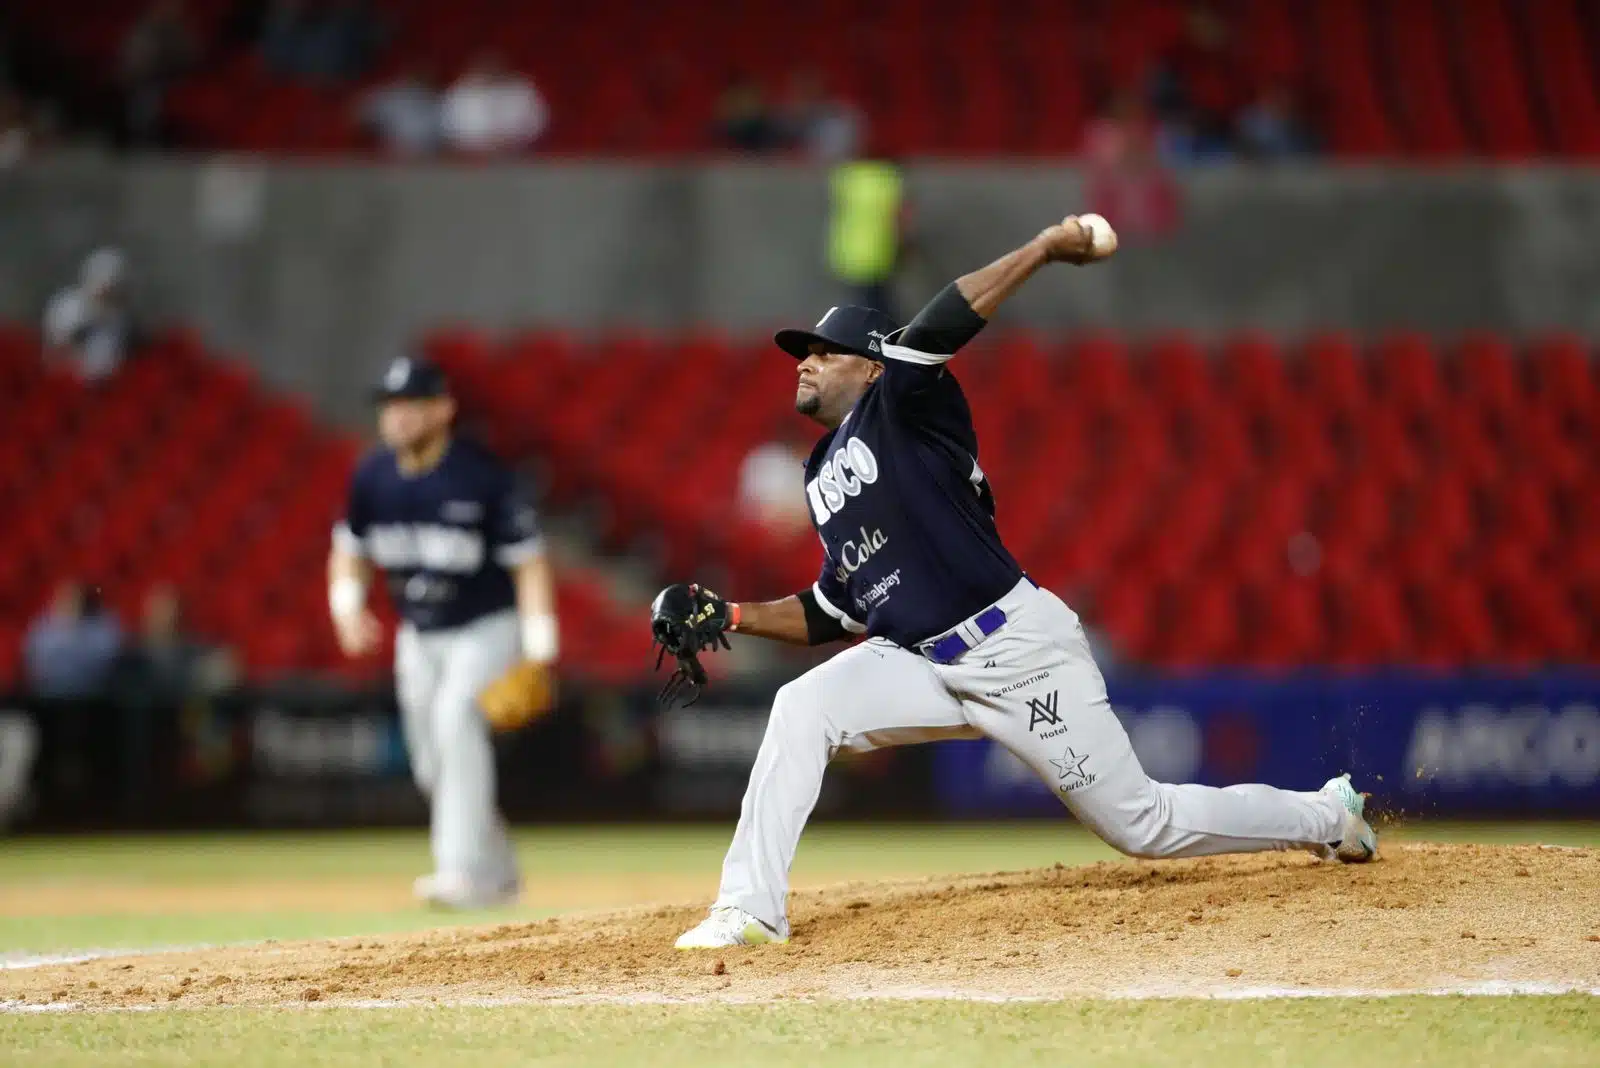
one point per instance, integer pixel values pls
(1071, 767)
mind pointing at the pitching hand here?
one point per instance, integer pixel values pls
(1080, 239)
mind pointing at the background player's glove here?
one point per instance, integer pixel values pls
(526, 692)
(685, 621)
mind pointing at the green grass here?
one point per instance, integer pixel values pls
(863, 850)
(1394, 1033)
(827, 852)
(879, 849)
(47, 934)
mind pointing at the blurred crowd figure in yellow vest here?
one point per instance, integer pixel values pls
(866, 231)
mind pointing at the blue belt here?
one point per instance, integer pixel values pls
(951, 647)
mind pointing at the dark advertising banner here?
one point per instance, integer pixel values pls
(321, 758)
(704, 754)
(1424, 745)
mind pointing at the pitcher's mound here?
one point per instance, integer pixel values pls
(1424, 917)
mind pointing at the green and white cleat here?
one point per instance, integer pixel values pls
(728, 926)
(1359, 842)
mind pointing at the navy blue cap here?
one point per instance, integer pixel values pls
(411, 377)
(845, 328)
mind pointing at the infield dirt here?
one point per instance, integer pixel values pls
(1425, 916)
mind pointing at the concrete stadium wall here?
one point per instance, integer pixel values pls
(321, 272)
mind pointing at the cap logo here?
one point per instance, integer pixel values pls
(399, 372)
(875, 345)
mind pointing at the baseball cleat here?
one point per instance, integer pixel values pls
(1360, 841)
(729, 926)
(447, 890)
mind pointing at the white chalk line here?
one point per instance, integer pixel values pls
(1485, 988)
(10, 961)
(15, 961)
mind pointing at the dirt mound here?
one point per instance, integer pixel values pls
(1426, 916)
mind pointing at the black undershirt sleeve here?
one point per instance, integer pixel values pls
(945, 324)
(821, 628)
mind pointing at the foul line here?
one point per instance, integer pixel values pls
(1486, 988)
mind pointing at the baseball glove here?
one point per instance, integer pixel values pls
(526, 692)
(685, 621)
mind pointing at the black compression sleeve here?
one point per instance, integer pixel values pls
(821, 628)
(944, 325)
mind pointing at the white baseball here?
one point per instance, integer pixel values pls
(1102, 237)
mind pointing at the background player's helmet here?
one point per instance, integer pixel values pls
(411, 377)
(845, 327)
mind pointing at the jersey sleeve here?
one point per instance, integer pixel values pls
(923, 397)
(350, 533)
(832, 597)
(912, 379)
(513, 524)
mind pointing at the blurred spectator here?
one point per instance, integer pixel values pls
(1126, 181)
(159, 49)
(824, 128)
(71, 650)
(1195, 90)
(1123, 129)
(492, 110)
(89, 324)
(332, 41)
(404, 114)
(868, 220)
(1274, 128)
(744, 121)
(772, 486)
(15, 139)
(167, 665)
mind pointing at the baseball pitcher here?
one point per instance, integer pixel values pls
(459, 544)
(960, 642)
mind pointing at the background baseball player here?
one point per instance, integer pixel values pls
(960, 641)
(459, 543)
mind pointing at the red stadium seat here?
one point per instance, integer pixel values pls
(1204, 628)
(1563, 375)
(1498, 92)
(1334, 373)
(1348, 80)
(1408, 373)
(1487, 372)
(1415, 38)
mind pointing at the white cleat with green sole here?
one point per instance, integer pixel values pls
(1359, 842)
(729, 926)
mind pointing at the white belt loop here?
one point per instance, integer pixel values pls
(1010, 603)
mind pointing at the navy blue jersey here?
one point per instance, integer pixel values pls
(904, 511)
(443, 538)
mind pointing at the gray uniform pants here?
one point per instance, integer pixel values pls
(1034, 688)
(438, 676)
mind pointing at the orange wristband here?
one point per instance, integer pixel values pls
(733, 615)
